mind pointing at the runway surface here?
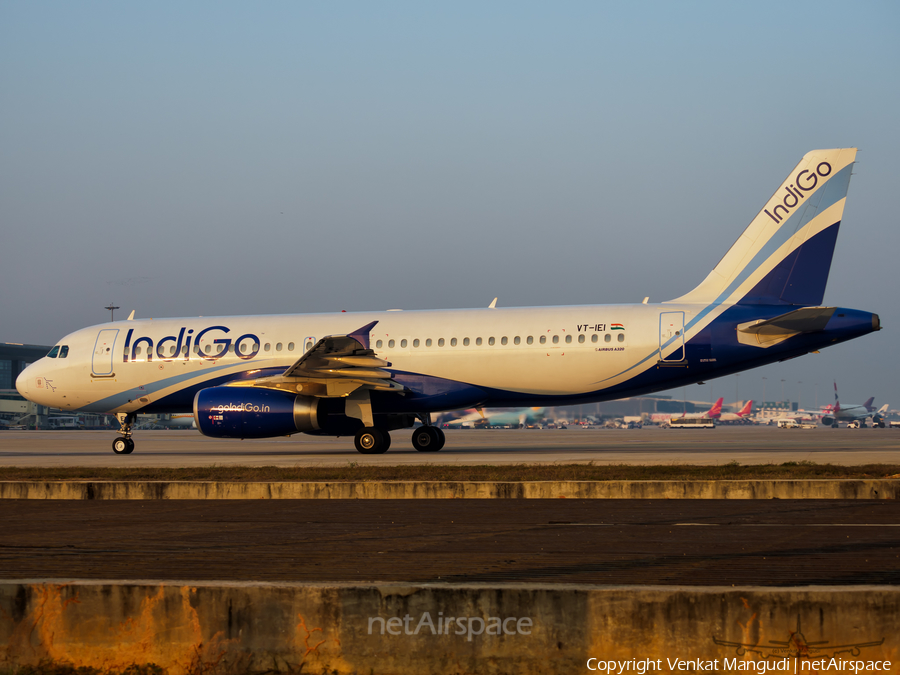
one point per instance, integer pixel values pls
(766, 543)
(746, 445)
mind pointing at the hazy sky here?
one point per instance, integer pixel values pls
(182, 159)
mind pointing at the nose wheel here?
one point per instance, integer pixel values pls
(124, 445)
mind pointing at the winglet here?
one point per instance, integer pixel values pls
(131, 316)
(493, 305)
(361, 335)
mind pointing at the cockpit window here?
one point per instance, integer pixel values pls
(53, 352)
(63, 351)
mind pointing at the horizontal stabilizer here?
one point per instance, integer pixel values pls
(772, 331)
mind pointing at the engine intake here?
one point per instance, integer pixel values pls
(248, 412)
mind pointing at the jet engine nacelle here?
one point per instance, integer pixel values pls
(827, 421)
(249, 412)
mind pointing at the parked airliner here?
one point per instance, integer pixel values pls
(742, 415)
(714, 412)
(854, 414)
(366, 374)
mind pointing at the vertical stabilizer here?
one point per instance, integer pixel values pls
(784, 255)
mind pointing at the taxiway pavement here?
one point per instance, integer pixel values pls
(670, 542)
(742, 444)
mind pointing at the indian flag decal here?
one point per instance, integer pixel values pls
(616, 326)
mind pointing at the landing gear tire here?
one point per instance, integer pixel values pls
(123, 446)
(372, 441)
(428, 439)
(834, 426)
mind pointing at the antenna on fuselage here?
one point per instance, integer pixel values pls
(493, 305)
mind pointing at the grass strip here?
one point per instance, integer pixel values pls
(354, 471)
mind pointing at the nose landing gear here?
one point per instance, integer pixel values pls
(124, 445)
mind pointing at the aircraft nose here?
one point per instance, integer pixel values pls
(22, 383)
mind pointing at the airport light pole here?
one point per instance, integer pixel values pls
(782, 392)
(799, 387)
(764, 391)
(112, 311)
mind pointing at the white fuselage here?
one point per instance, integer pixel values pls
(541, 351)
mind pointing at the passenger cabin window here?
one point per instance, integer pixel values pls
(568, 339)
(428, 342)
(309, 345)
(290, 346)
(53, 352)
(452, 342)
(390, 344)
(465, 342)
(504, 340)
(278, 347)
(530, 340)
(490, 341)
(581, 338)
(517, 340)
(416, 342)
(543, 339)
(556, 339)
(607, 338)
(621, 337)
(379, 344)
(403, 343)
(268, 345)
(440, 342)
(478, 342)
(595, 337)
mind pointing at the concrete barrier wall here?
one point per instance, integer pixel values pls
(690, 489)
(236, 628)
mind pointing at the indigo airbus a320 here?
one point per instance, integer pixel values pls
(368, 373)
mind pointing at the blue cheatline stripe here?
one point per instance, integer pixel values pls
(123, 397)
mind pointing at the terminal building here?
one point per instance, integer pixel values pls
(15, 410)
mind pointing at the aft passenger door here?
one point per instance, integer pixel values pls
(671, 336)
(102, 360)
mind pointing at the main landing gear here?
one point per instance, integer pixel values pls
(428, 439)
(374, 441)
(124, 445)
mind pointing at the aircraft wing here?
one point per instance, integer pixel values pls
(772, 331)
(336, 365)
